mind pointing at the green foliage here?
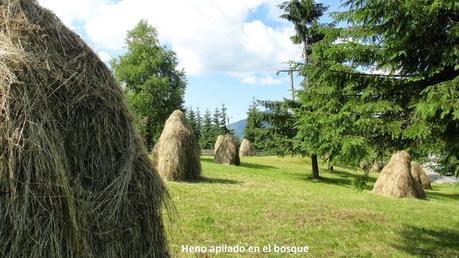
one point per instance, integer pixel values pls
(349, 114)
(279, 133)
(224, 120)
(207, 137)
(153, 86)
(254, 131)
(339, 221)
(194, 119)
(208, 127)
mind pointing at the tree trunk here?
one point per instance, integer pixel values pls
(315, 167)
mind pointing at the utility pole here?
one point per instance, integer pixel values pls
(292, 85)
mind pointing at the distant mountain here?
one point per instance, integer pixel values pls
(238, 128)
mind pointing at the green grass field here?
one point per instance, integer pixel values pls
(272, 200)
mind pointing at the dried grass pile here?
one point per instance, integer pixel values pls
(176, 155)
(217, 142)
(75, 178)
(420, 175)
(376, 167)
(246, 149)
(227, 151)
(395, 179)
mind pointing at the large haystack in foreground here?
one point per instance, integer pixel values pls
(395, 179)
(246, 149)
(217, 142)
(227, 152)
(176, 154)
(75, 179)
(420, 175)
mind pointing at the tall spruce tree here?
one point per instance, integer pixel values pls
(388, 81)
(254, 131)
(197, 130)
(279, 131)
(304, 14)
(216, 128)
(191, 117)
(224, 119)
(207, 133)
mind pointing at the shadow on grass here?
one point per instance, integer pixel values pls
(210, 159)
(424, 242)
(210, 180)
(338, 177)
(345, 174)
(326, 180)
(256, 166)
(442, 196)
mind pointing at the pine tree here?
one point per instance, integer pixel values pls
(216, 129)
(304, 14)
(197, 129)
(362, 113)
(278, 136)
(207, 133)
(191, 117)
(253, 131)
(224, 120)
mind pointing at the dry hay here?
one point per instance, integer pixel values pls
(420, 175)
(376, 167)
(246, 149)
(75, 179)
(176, 154)
(217, 142)
(395, 179)
(227, 151)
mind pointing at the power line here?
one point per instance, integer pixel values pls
(228, 19)
(224, 32)
(266, 30)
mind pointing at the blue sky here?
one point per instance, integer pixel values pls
(230, 50)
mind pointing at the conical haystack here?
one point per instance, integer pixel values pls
(420, 175)
(176, 154)
(217, 142)
(246, 149)
(227, 152)
(395, 179)
(75, 179)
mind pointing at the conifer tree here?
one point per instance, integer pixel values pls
(207, 133)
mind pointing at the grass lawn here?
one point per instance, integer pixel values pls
(272, 200)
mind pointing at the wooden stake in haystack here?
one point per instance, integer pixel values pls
(176, 155)
(396, 180)
(246, 149)
(77, 179)
(227, 151)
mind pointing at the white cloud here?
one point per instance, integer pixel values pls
(204, 39)
(249, 78)
(104, 56)
(268, 80)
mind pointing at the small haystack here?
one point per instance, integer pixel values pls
(217, 142)
(376, 167)
(395, 179)
(75, 178)
(246, 149)
(420, 175)
(227, 151)
(176, 154)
